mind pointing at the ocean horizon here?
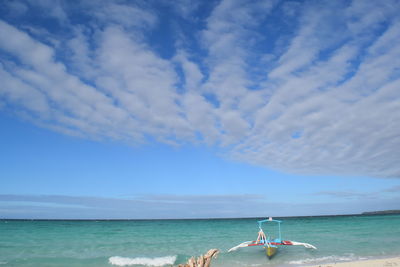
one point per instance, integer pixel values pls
(367, 213)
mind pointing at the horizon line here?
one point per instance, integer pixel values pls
(368, 213)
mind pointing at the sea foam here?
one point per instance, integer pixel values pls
(158, 261)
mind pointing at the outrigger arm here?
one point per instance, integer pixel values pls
(294, 243)
(241, 245)
(283, 243)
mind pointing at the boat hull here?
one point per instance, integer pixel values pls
(270, 251)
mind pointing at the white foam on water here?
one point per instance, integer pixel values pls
(328, 259)
(2, 262)
(159, 261)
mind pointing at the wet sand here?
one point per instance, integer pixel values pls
(389, 262)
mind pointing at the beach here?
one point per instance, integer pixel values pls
(387, 262)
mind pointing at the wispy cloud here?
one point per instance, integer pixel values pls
(177, 206)
(346, 194)
(320, 98)
(384, 193)
(394, 189)
(139, 207)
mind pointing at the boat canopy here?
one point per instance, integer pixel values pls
(272, 220)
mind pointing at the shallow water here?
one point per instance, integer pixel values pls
(166, 242)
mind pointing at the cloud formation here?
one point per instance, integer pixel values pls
(184, 206)
(142, 207)
(308, 88)
(385, 193)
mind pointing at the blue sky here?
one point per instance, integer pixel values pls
(195, 109)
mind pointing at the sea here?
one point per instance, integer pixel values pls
(171, 242)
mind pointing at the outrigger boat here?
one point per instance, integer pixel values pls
(270, 244)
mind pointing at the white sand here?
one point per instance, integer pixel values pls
(389, 262)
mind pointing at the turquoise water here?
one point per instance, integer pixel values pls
(166, 242)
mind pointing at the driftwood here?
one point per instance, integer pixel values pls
(202, 260)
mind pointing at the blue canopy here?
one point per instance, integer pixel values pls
(271, 220)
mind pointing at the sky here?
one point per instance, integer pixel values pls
(198, 109)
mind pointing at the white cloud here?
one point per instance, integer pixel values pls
(343, 128)
(326, 100)
(127, 15)
(192, 74)
(226, 38)
(21, 93)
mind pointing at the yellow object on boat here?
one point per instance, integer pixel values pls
(270, 251)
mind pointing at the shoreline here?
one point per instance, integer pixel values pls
(377, 262)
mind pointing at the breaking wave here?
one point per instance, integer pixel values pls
(158, 261)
